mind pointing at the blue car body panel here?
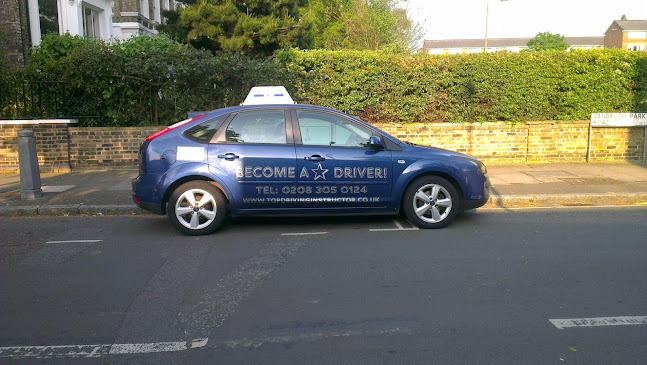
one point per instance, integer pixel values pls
(293, 178)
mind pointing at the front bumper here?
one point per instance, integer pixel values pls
(476, 203)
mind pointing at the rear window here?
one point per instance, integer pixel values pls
(205, 131)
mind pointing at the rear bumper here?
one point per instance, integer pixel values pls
(138, 197)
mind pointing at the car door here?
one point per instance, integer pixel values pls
(336, 166)
(255, 149)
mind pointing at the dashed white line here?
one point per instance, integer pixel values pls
(66, 351)
(303, 233)
(397, 224)
(75, 241)
(599, 321)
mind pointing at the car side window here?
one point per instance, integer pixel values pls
(324, 129)
(203, 132)
(259, 126)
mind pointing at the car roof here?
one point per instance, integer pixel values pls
(232, 109)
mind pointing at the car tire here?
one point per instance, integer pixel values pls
(197, 208)
(431, 202)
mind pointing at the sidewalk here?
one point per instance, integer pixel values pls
(109, 192)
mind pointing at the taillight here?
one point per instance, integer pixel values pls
(170, 128)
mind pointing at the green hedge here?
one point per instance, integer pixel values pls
(155, 81)
(141, 81)
(525, 86)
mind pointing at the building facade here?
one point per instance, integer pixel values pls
(630, 35)
(457, 46)
(23, 23)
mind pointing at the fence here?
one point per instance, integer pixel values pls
(24, 99)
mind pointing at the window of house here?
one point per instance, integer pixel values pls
(48, 14)
(91, 27)
(636, 35)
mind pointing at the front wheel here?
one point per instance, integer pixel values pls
(197, 208)
(431, 202)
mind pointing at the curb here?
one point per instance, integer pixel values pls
(73, 209)
(517, 201)
(496, 201)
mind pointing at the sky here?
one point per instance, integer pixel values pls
(465, 19)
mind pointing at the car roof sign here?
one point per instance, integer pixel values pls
(260, 95)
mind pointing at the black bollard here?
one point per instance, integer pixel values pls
(28, 162)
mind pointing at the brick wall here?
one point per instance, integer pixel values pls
(61, 147)
(51, 146)
(106, 147)
(533, 142)
(11, 36)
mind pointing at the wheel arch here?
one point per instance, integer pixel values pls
(171, 188)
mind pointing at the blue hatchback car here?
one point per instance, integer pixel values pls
(297, 160)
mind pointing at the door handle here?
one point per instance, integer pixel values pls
(315, 158)
(229, 156)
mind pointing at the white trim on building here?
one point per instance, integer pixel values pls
(73, 15)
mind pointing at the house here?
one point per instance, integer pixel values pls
(455, 46)
(138, 16)
(630, 35)
(24, 22)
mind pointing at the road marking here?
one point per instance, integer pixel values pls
(600, 321)
(315, 336)
(303, 233)
(75, 241)
(65, 351)
(397, 224)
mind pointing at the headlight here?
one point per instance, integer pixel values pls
(479, 164)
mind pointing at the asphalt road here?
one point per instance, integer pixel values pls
(328, 290)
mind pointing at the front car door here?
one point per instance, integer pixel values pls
(336, 167)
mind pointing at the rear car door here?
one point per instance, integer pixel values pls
(255, 149)
(336, 166)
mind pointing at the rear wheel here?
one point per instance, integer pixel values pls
(431, 202)
(197, 208)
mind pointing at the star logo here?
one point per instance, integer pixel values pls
(320, 172)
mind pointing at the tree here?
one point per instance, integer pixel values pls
(255, 27)
(545, 41)
(361, 24)
(624, 17)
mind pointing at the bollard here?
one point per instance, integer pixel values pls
(28, 162)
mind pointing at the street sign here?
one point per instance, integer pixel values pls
(619, 120)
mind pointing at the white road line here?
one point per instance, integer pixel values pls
(65, 351)
(302, 233)
(75, 241)
(397, 224)
(600, 321)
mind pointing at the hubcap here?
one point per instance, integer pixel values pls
(432, 203)
(195, 209)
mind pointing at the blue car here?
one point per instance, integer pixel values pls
(292, 159)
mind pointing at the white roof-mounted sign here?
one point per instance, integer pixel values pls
(259, 95)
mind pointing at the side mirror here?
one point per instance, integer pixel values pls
(376, 143)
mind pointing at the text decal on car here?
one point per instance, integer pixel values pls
(318, 173)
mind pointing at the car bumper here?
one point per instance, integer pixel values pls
(137, 198)
(476, 203)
